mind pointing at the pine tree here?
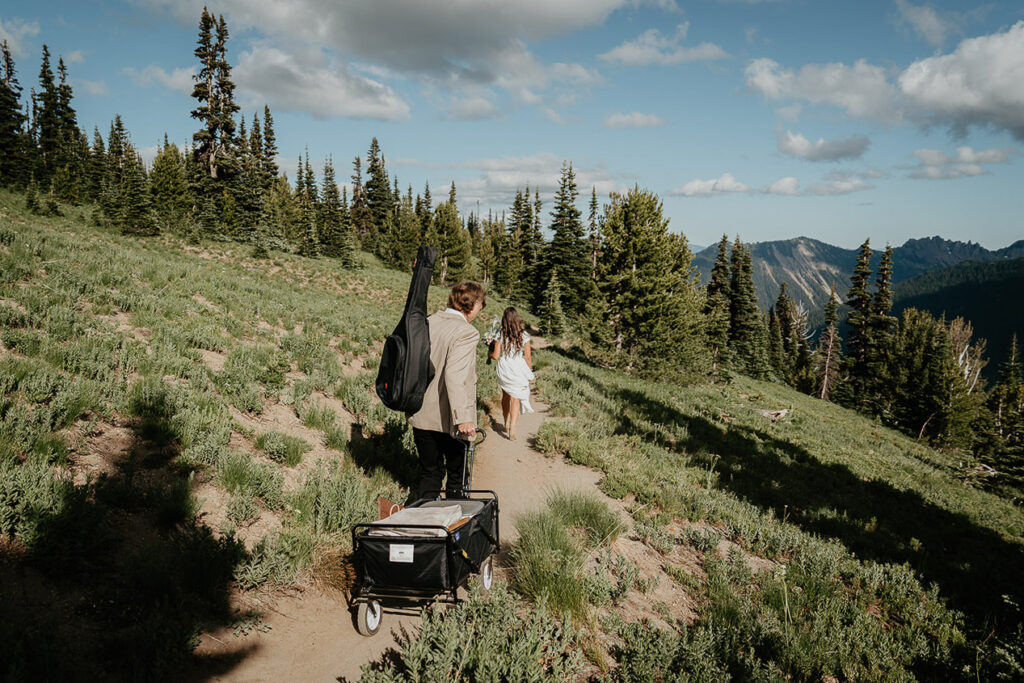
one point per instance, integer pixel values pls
(452, 242)
(510, 267)
(647, 315)
(407, 236)
(552, 319)
(136, 214)
(47, 122)
(717, 308)
(379, 204)
(359, 213)
(214, 91)
(594, 230)
(97, 167)
(828, 355)
(32, 204)
(878, 384)
(169, 187)
(860, 344)
(748, 344)
(331, 229)
(567, 253)
(269, 165)
(12, 119)
(491, 241)
(776, 354)
(1006, 401)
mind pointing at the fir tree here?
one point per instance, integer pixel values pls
(775, 351)
(594, 230)
(12, 119)
(168, 185)
(359, 213)
(717, 308)
(1006, 401)
(407, 237)
(877, 382)
(860, 344)
(379, 204)
(567, 253)
(828, 355)
(510, 267)
(214, 91)
(748, 345)
(32, 204)
(269, 165)
(47, 122)
(489, 255)
(647, 316)
(136, 215)
(552, 319)
(331, 228)
(452, 242)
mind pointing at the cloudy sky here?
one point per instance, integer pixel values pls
(764, 118)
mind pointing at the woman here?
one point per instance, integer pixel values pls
(515, 369)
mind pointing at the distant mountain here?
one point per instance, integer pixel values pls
(811, 267)
(986, 293)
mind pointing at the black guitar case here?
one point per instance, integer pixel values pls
(405, 369)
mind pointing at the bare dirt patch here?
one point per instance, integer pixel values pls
(102, 452)
(214, 360)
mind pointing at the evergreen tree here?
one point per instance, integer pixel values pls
(97, 167)
(214, 91)
(860, 344)
(748, 344)
(136, 214)
(552, 319)
(269, 165)
(12, 120)
(169, 187)
(647, 315)
(332, 232)
(489, 254)
(379, 204)
(47, 122)
(567, 254)
(32, 204)
(717, 308)
(359, 213)
(510, 266)
(1006, 401)
(878, 383)
(828, 355)
(594, 230)
(425, 210)
(776, 353)
(452, 242)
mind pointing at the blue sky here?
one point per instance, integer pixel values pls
(767, 119)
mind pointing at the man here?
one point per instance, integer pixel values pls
(449, 405)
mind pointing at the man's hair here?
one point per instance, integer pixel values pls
(465, 295)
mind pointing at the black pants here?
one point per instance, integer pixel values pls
(439, 452)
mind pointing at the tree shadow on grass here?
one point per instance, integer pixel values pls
(120, 578)
(973, 566)
(389, 449)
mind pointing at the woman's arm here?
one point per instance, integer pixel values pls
(496, 350)
(527, 355)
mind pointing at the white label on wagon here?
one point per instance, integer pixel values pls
(400, 552)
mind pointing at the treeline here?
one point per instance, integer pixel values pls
(618, 280)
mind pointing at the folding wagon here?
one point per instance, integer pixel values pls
(424, 552)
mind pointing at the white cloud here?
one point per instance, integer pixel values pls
(937, 165)
(925, 21)
(473, 109)
(981, 83)
(15, 31)
(179, 80)
(635, 119)
(94, 87)
(861, 89)
(796, 145)
(789, 186)
(455, 45)
(836, 187)
(75, 57)
(705, 188)
(306, 80)
(553, 116)
(650, 47)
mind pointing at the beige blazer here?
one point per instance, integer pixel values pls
(450, 399)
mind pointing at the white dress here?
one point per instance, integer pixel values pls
(514, 375)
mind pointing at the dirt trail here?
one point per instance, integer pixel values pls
(312, 636)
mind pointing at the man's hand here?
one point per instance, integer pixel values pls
(467, 428)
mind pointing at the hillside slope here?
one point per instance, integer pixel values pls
(987, 294)
(187, 432)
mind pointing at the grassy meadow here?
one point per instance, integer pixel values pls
(182, 422)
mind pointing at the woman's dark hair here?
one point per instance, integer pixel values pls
(511, 337)
(465, 295)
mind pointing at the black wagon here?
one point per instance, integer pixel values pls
(411, 563)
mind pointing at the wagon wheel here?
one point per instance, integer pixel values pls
(487, 574)
(368, 617)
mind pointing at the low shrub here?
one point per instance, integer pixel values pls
(277, 559)
(283, 448)
(336, 496)
(241, 475)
